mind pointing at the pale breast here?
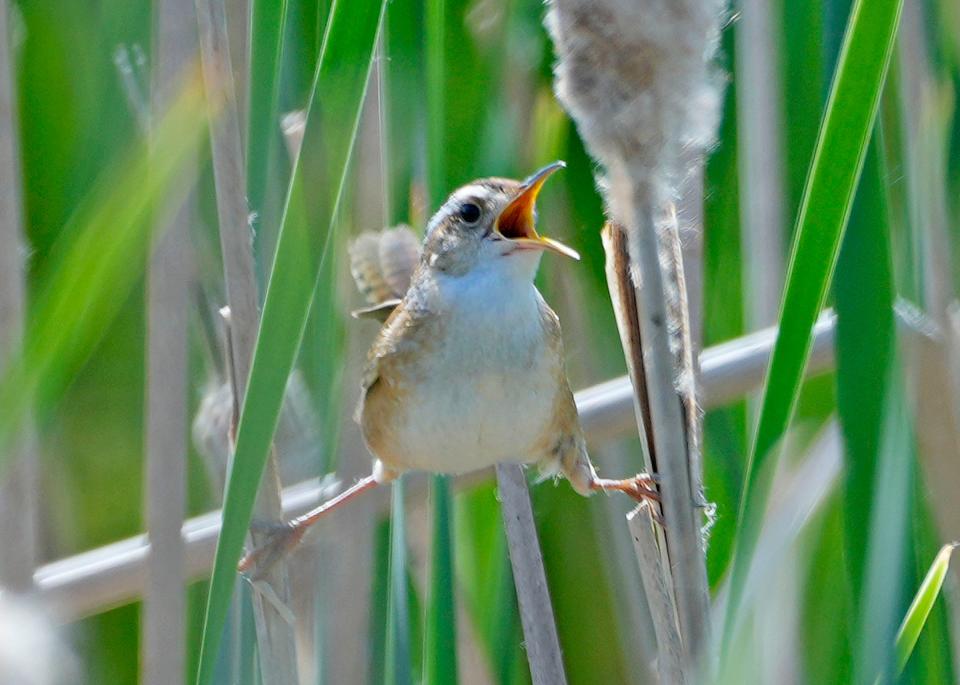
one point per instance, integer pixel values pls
(486, 391)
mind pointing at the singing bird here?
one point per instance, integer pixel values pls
(468, 369)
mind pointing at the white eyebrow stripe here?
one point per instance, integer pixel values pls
(473, 191)
(469, 192)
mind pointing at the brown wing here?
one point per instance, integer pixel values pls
(388, 354)
(378, 312)
(391, 363)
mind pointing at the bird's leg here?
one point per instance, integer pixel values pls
(281, 539)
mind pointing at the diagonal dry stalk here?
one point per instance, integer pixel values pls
(658, 587)
(536, 610)
(274, 633)
(18, 504)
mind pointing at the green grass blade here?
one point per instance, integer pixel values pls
(921, 606)
(440, 646)
(436, 111)
(888, 541)
(834, 173)
(398, 667)
(404, 127)
(339, 87)
(100, 256)
(865, 344)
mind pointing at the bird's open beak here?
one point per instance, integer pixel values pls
(516, 221)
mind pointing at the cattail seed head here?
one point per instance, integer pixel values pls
(637, 77)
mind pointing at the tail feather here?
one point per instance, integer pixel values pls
(399, 255)
(382, 263)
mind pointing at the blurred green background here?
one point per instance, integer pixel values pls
(500, 118)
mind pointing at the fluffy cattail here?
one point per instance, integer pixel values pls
(31, 652)
(637, 77)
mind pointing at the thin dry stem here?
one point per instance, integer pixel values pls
(760, 160)
(275, 635)
(168, 298)
(536, 610)
(937, 394)
(18, 486)
(681, 501)
(624, 298)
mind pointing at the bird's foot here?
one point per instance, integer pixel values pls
(276, 540)
(279, 539)
(642, 487)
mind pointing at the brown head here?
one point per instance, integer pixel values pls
(491, 223)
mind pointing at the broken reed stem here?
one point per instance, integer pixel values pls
(678, 485)
(623, 296)
(18, 486)
(536, 610)
(680, 443)
(274, 634)
(658, 587)
(163, 644)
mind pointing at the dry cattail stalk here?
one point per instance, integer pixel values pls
(638, 79)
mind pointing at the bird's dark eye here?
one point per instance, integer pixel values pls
(469, 213)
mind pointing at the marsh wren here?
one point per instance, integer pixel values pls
(468, 369)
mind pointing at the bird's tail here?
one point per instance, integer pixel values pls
(382, 263)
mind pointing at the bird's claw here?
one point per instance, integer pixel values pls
(278, 540)
(263, 527)
(642, 487)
